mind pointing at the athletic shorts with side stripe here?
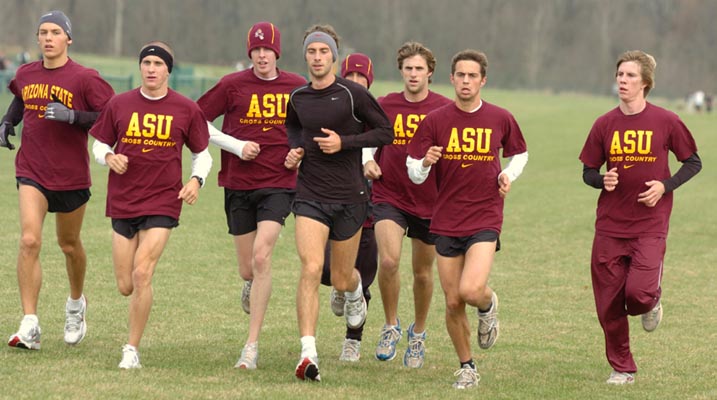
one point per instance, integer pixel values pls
(62, 201)
(128, 227)
(245, 208)
(449, 246)
(415, 227)
(343, 220)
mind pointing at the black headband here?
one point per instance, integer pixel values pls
(159, 52)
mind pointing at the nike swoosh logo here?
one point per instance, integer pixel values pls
(334, 98)
(359, 65)
(628, 166)
(145, 150)
(464, 165)
(264, 129)
(40, 115)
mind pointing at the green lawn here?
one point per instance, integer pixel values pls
(550, 347)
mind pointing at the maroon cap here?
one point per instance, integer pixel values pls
(358, 62)
(264, 34)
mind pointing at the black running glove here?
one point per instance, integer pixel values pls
(59, 112)
(6, 129)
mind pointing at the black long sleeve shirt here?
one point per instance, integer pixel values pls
(352, 112)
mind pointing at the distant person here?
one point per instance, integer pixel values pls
(404, 209)
(57, 100)
(24, 57)
(140, 136)
(355, 67)
(328, 122)
(633, 140)
(4, 66)
(709, 100)
(463, 142)
(258, 189)
(698, 100)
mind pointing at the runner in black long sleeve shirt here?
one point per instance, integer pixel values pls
(328, 122)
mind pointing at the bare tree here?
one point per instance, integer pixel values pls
(547, 44)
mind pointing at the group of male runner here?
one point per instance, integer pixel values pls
(412, 163)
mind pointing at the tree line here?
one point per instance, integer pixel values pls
(558, 45)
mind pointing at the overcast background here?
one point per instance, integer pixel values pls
(560, 45)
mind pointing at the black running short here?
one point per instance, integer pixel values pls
(415, 227)
(343, 220)
(63, 201)
(128, 227)
(449, 246)
(245, 208)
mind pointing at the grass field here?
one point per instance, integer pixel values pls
(550, 347)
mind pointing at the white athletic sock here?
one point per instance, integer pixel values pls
(418, 333)
(356, 294)
(31, 318)
(308, 346)
(73, 304)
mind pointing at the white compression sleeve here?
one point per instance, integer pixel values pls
(224, 141)
(416, 171)
(367, 154)
(201, 164)
(100, 151)
(515, 166)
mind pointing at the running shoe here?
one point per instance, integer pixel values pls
(246, 296)
(249, 356)
(488, 325)
(75, 324)
(386, 348)
(416, 350)
(308, 369)
(28, 336)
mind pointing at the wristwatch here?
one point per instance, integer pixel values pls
(199, 179)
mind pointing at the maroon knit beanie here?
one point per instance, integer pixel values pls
(358, 62)
(264, 34)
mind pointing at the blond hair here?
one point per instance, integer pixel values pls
(647, 66)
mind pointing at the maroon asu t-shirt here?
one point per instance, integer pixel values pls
(395, 187)
(52, 153)
(151, 133)
(638, 146)
(255, 110)
(468, 200)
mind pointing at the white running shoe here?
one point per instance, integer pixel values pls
(75, 325)
(351, 351)
(488, 325)
(130, 358)
(249, 356)
(386, 347)
(355, 312)
(308, 369)
(246, 296)
(28, 336)
(467, 378)
(337, 302)
(620, 378)
(416, 351)
(651, 319)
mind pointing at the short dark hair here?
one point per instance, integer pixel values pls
(471, 55)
